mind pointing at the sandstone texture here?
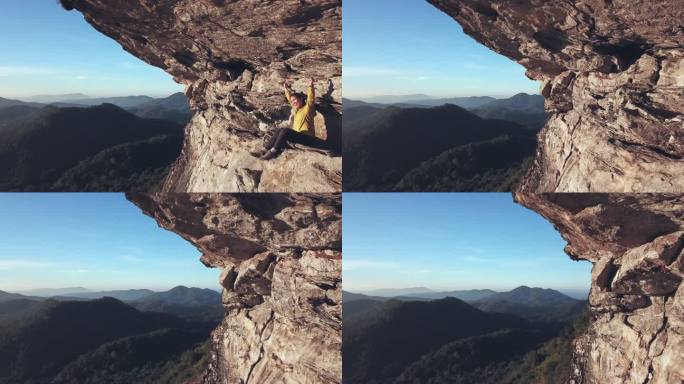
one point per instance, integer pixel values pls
(233, 56)
(636, 245)
(612, 73)
(281, 257)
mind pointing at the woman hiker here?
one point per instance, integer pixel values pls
(302, 130)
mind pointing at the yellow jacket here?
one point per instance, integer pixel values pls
(303, 116)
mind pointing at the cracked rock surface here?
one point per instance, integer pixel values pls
(636, 245)
(281, 257)
(612, 73)
(232, 57)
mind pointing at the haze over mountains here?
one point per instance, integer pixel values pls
(80, 339)
(53, 98)
(462, 144)
(146, 299)
(442, 148)
(464, 294)
(449, 340)
(111, 144)
(521, 108)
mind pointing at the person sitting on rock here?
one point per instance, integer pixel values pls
(302, 131)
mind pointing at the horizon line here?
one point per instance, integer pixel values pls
(431, 97)
(24, 98)
(94, 290)
(437, 290)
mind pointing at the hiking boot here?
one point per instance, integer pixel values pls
(269, 154)
(258, 153)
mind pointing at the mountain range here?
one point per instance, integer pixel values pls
(537, 304)
(419, 293)
(445, 148)
(182, 301)
(76, 143)
(100, 148)
(103, 340)
(175, 107)
(448, 340)
(521, 108)
(85, 340)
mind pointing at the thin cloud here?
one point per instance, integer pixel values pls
(369, 71)
(6, 265)
(475, 249)
(490, 68)
(476, 259)
(179, 263)
(527, 262)
(355, 265)
(23, 71)
(133, 259)
(132, 65)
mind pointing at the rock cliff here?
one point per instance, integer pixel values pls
(612, 73)
(636, 245)
(281, 259)
(232, 57)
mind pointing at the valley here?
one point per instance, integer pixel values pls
(467, 336)
(90, 144)
(119, 336)
(465, 144)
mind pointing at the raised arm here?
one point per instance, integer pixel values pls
(288, 93)
(310, 97)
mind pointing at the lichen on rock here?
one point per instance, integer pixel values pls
(281, 257)
(612, 73)
(233, 57)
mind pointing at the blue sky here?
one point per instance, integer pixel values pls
(450, 241)
(47, 50)
(405, 47)
(94, 240)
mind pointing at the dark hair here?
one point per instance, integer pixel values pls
(300, 96)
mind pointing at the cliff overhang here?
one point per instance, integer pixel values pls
(281, 261)
(612, 73)
(233, 57)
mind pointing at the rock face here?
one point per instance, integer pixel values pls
(612, 73)
(636, 243)
(232, 57)
(282, 285)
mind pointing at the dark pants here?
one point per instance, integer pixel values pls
(286, 135)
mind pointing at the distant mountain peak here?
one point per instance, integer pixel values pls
(181, 288)
(523, 288)
(450, 107)
(107, 106)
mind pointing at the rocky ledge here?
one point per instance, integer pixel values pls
(612, 73)
(636, 245)
(232, 57)
(281, 257)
